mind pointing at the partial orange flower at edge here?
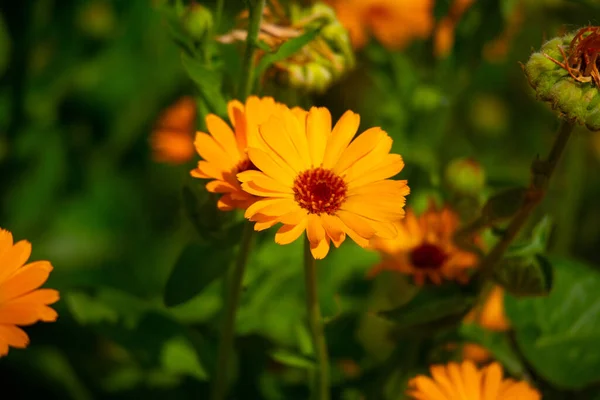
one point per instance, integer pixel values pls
(465, 380)
(424, 248)
(171, 139)
(317, 179)
(395, 23)
(22, 303)
(223, 149)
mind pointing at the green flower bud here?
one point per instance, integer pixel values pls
(465, 176)
(311, 77)
(197, 21)
(576, 99)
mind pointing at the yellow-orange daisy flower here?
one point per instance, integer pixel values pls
(465, 381)
(21, 301)
(395, 23)
(224, 149)
(172, 138)
(424, 248)
(315, 178)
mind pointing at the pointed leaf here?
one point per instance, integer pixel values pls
(525, 276)
(209, 83)
(286, 50)
(292, 359)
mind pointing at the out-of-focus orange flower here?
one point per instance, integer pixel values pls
(395, 23)
(490, 316)
(313, 177)
(22, 303)
(497, 49)
(424, 248)
(224, 150)
(443, 39)
(172, 138)
(465, 381)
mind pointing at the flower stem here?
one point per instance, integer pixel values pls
(218, 14)
(315, 320)
(541, 171)
(255, 9)
(228, 328)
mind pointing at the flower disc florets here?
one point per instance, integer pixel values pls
(565, 73)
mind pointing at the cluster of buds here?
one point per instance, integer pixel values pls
(565, 73)
(320, 62)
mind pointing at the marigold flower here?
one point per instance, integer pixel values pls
(21, 302)
(172, 136)
(224, 149)
(465, 381)
(318, 179)
(395, 23)
(424, 248)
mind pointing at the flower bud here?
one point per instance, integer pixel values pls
(197, 21)
(465, 176)
(559, 75)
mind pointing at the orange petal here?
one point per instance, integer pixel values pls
(318, 129)
(212, 152)
(13, 258)
(359, 148)
(288, 233)
(25, 280)
(266, 163)
(314, 229)
(334, 228)
(271, 207)
(341, 135)
(223, 135)
(358, 224)
(320, 249)
(391, 165)
(13, 336)
(277, 137)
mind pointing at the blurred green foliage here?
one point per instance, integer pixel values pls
(81, 85)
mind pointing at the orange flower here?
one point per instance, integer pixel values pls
(444, 32)
(465, 381)
(224, 150)
(424, 248)
(395, 23)
(21, 302)
(317, 179)
(172, 136)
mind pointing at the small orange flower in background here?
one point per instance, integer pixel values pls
(443, 39)
(172, 138)
(22, 303)
(424, 248)
(492, 317)
(466, 382)
(395, 23)
(224, 149)
(317, 179)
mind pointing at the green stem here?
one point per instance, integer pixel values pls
(228, 328)
(256, 11)
(219, 14)
(315, 320)
(542, 171)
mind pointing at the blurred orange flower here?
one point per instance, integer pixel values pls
(224, 149)
(317, 179)
(424, 248)
(395, 23)
(171, 139)
(466, 381)
(443, 39)
(22, 303)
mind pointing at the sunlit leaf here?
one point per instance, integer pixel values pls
(286, 50)
(292, 359)
(179, 356)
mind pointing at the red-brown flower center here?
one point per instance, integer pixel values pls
(428, 256)
(320, 191)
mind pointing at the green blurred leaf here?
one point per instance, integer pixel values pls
(497, 343)
(292, 359)
(538, 243)
(431, 306)
(209, 83)
(179, 356)
(525, 276)
(504, 205)
(558, 334)
(286, 50)
(87, 310)
(197, 267)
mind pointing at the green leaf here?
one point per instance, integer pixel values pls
(504, 205)
(179, 356)
(292, 359)
(86, 310)
(558, 334)
(208, 81)
(286, 50)
(538, 243)
(525, 276)
(431, 307)
(497, 343)
(198, 266)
